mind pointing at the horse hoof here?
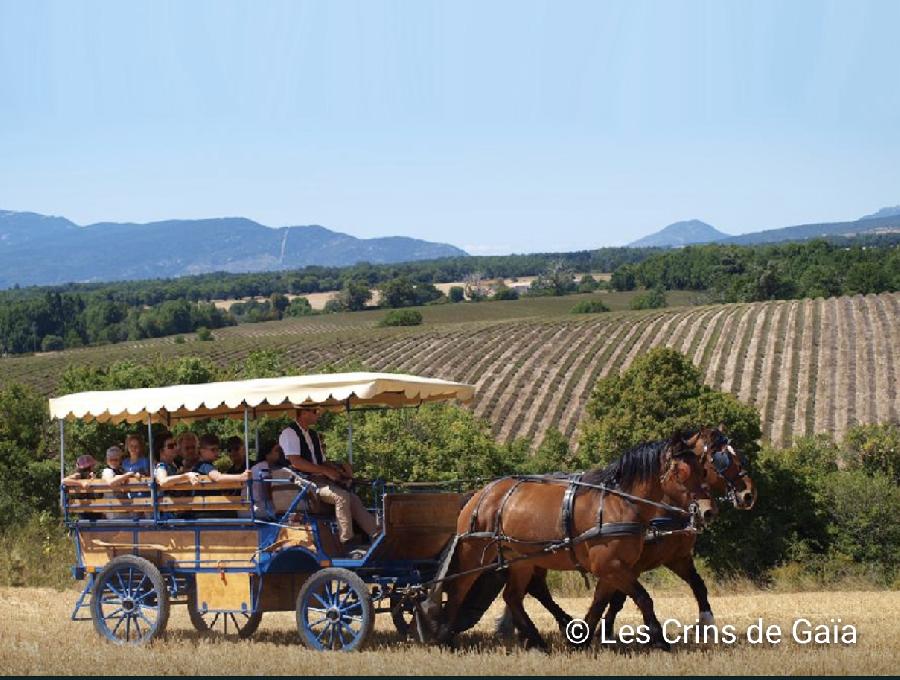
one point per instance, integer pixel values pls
(707, 618)
(661, 645)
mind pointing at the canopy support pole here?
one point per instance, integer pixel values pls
(62, 463)
(349, 433)
(153, 497)
(246, 439)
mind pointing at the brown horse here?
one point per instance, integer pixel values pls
(513, 521)
(726, 476)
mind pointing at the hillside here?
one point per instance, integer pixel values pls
(809, 365)
(889, 222)
(680, 234)
(38, 250)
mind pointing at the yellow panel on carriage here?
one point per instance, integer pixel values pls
(223, 591)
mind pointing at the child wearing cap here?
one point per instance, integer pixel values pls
(84, 470)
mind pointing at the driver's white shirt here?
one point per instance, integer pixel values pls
(290, 442)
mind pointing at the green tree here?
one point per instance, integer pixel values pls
(504, 292)
(655, 298)
(662, 391)
(457, 294)
(299, 306)
(431, 443)
(874, 449)
(623, 278)
(52, 343)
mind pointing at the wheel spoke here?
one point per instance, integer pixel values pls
(150, 623)
(325, 604)
(324, 630)
(116, 628)
(317, 622)
(119, 594)
(137, 627)
(352, 606)
(127, 628)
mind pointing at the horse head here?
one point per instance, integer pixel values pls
(683, 479)
(725, 469)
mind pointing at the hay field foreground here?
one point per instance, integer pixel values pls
(37, 637)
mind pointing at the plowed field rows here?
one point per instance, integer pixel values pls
(808, 365)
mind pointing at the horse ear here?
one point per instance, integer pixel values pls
(689, 438)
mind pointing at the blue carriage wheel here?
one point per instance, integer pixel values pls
(130, 602)
(334, 611)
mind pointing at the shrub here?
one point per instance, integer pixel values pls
(655, 298)
(204, 334)
(52, 343)
(457, 294)
(505, 293)
(875, 449)
(589, 307)
(402, 317)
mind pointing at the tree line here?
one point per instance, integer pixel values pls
(812, 269)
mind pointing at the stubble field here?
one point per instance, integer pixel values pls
(37, 637)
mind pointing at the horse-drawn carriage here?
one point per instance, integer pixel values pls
(141, 548)
(439, 560)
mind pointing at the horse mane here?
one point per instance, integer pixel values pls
(638, 464)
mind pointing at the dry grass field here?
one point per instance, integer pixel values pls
(36, 637)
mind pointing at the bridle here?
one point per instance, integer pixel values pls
(723, 458)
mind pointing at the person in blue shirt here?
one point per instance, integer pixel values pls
(209, 452)
(137, 459)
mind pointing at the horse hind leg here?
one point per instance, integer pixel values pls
(615, 606)
(514, 596)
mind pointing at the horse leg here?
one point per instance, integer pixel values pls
(615, 606)
(514, 594)
(537, 588)
(685, 568)
(645, 603)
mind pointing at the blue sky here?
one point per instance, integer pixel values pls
(499, 127)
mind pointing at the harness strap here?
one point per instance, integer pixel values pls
(481, 498)
(568, 517)
(498, 518)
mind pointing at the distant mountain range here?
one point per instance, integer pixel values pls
(695, 232)
(39, 250)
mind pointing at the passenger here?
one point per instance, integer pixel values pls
(80, 479)
(209, 452)
(234, 447)
(188, 456)
(266, 462)
(166, 472)
(84, 471)
(137, 458)
(115, 475)
(305, 453)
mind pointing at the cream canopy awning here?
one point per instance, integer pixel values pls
(262, 396)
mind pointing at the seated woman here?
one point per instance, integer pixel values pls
(166, 472)
(167, 475)
(137, 458)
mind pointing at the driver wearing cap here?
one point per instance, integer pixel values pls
(305, 453)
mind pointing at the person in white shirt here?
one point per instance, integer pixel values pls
(305, 453)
